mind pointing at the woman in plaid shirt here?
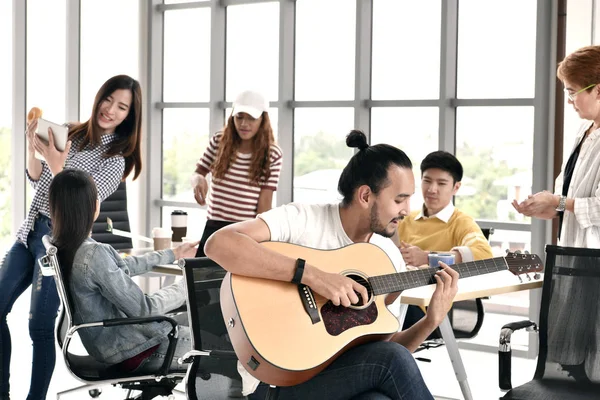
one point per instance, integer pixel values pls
(107, 146)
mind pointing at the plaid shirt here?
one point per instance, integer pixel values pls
(107, 173)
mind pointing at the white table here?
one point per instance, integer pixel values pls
(469, 288)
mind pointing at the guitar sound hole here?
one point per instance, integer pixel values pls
(365, 283)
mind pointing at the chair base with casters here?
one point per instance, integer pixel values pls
(96, 374)
(568, 364)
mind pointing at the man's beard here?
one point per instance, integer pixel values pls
(376, 226)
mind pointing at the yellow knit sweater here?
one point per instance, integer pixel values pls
(436, 235)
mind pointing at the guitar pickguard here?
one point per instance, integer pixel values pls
(338, 319)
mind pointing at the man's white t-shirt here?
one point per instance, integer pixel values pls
(318, 226)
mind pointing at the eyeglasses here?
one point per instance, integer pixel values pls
(572, 96)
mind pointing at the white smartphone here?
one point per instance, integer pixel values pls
(61, 134)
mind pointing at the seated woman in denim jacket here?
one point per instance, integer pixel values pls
(100, 283)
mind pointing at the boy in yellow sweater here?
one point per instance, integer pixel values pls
(438, 226)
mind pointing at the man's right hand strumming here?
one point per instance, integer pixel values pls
(340, 289)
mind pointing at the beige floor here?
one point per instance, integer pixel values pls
(482, 368)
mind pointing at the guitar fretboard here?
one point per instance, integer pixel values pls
(397, 282)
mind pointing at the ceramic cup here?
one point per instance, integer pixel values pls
(434, 259)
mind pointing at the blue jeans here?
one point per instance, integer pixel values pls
(378, 370)
(20, 270)
(184, 344)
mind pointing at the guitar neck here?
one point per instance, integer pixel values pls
(400, 281)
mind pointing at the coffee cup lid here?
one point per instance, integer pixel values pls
(179, 212)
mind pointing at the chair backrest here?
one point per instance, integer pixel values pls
(115, 208)
(570, 318)
(467, 316)
(50, 266)
(209, 333)
(487, 232)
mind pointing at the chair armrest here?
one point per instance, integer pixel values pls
(138, 320)
(172, 336)
(515, 326)
(222, 354)
(505, 352)
(178, 310)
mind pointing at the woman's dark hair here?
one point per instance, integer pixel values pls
(445, 161)
(369, 166)
(72, 197)
(128, 133)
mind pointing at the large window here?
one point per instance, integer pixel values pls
(187, 55)
(46, 62)
(6, 73)
(325, 56)
(185, 137)
(110, 45)
(499, 170)
(46, 55)
(496, 49)
(253, 49)
(320, 152)
(405, 68)
(412, 129)
(186, 79)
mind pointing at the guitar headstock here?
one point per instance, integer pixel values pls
(522, 263)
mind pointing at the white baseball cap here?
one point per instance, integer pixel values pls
(250, 102)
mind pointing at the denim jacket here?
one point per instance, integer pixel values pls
(101, 288)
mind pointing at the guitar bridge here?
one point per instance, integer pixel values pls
(308, 301)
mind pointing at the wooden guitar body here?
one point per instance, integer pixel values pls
(274, 336)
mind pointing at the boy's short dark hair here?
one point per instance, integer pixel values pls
(445, 161)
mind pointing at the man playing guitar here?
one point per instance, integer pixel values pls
(376, 186)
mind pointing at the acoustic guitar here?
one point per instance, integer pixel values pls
(284, 334)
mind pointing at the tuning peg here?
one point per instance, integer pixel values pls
(520, 280)
(536, 276)
(528, 277)
(527, 252)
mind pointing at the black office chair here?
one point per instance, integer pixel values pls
(213, 370)
(466, 317)
(96, 374)
(115, 208)
(568, 365)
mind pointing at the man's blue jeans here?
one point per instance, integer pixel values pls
(20, 270)
(378, 370)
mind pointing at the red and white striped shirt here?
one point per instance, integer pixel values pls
(235, 197)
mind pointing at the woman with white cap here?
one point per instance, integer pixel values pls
(245, 164)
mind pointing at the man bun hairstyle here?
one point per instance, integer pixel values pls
(357, 139)
(369, 166)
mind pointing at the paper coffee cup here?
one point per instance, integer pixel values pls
(161, 238)
(178, 225)
(434, 259)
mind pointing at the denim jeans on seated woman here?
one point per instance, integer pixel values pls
(184, 344)
(20, 270)
(377, 370)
